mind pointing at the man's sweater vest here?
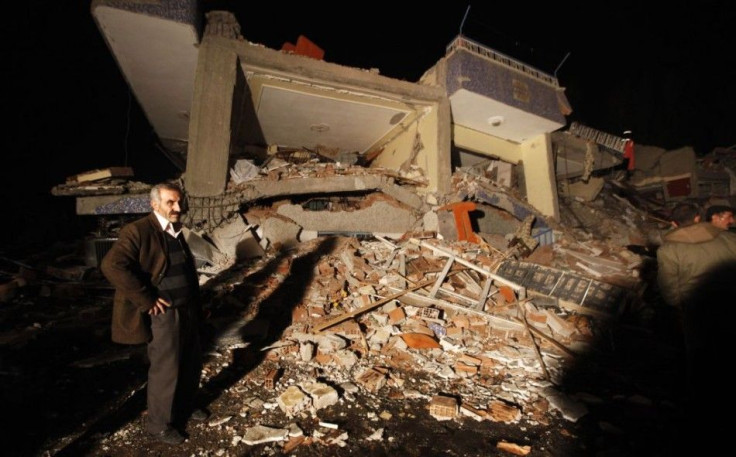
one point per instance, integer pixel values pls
(179, 284)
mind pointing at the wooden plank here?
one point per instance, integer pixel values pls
(385, 241)
(346, 316)
(441, 277)
(102, 173)
(534, 342)
(418, 298)
(390, 260)
(471, 285)
(484, 295)
(470, 265)
(402, 268)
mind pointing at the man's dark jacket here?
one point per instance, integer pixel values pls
(690, 256)
(135, 265)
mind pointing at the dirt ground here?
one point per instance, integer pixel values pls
(67, 390)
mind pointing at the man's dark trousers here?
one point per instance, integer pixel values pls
(175, 356)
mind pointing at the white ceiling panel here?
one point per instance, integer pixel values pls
(293, 118)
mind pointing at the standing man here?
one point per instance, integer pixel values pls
(157, 302)
(696, 275)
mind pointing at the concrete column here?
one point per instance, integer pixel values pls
(444, 146)
(210, 130)
(539, 174)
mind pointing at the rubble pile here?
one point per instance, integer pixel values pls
(337, 326)
(420, 319)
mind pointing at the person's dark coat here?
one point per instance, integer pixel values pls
(135, 265)
(688, 256)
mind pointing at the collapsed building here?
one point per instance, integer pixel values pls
(231, 114)
(278, 147)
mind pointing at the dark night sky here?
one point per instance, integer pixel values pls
(668, 75)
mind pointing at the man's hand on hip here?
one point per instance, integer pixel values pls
(159, 307)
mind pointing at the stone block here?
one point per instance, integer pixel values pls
(322, 395)
(293, 401)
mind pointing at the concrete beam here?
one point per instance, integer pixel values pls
(274, 62)
(481, 143)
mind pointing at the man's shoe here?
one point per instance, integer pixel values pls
(168, 436)
(199, 415)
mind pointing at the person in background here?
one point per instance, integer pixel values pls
(697, 275)
(720, 215)
(157, 302)
(629, 151)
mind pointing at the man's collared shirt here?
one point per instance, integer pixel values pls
(167, 226)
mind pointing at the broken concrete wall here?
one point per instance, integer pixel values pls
(495, 221)
(236, 240)
(421, 151)
(671, 177)
(381, 216)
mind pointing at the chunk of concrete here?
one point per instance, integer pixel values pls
(330, 343)
(346, 358)
(236, 240)
(293, 401)
(586, 191)
(380, 336)
(322, 394)
(203, 250)
(570, 409)
(349, 387)
(243, 170)
(371, 380)
(306, 351)
(262, 434)
(281, 232)
(431, 222)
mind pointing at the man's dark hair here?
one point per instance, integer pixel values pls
(717, 209)
(684, 214)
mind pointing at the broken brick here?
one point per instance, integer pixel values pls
(270, 378)
(455, 332)
(461, 321)
(430, 313)
(419, 341)
(396, 316)
(469, 360)
(442, 407)
(501, 412)
(371, 380)
(468, 369)
(507, 293)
